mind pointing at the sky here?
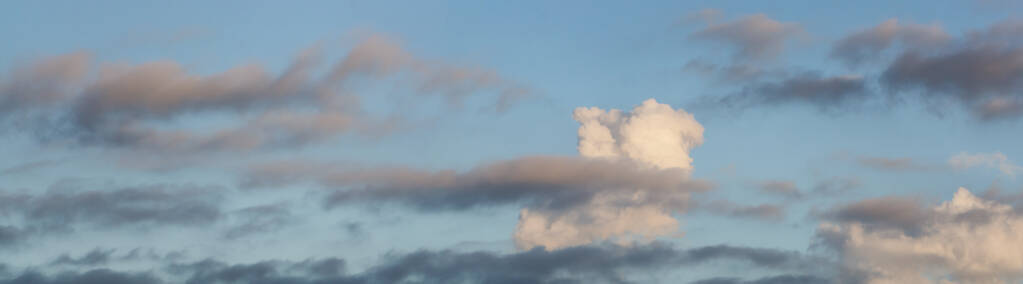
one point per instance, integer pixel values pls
(515, 142)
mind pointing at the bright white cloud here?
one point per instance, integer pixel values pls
(965, 240)
(652, 134)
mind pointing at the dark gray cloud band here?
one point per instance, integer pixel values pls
(582, 264)
(543, 182)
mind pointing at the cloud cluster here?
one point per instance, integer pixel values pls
(142, 106)
(633, 173)
(978, 71)
(898, 240)
(653, 135)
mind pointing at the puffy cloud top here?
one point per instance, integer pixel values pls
(654, 135)
(966, 239)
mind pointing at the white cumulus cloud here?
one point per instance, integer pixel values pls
(964, 240)
(653, 135)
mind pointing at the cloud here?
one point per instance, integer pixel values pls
(779, 279)
(28, 167)
(732, 73)
(836, 185)
(94, 257)
(968, 74)
(66, 209)
(824, 187)
(807, 88)
(907, 215)
(900, 164)
(961, 161)
(260, 219)
(41, 83)
(96, 276)
(999, 108)
(783, 188)
(652, 134)
(766, 212)
(11, 235)
(582, 264)
(559, 193)
(753, 37)
(981, 72)
(633, 173)
(549, 182)
(140, 106)
(867, 45)
(966, 239)
(996, 161)
(328, 270)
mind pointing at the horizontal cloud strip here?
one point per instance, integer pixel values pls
(548, 182)
(581, 264)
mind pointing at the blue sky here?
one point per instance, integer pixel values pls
(422, 127)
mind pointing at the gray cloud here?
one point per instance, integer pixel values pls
(27, 167)
(601, 264)
(260, 219)
(824, 187)
(767, 212)
(150, 254)
(96, 276)
(64, 209)
(809, 88)
(732, 73)
(982, 72)
(582, 264)
(909, 216)
(999, 108)
(753, 37)
(867, 45)
(541, 182)
(329, 270)
(893, 164)
(779, 279)
(42, 83)
(130, 107)
(835, 186)
(999, 194)
(969, 74)
(979, 71)
(783, 188)
(94, 257)
(904, 240)
(887, 213)
(11, 235)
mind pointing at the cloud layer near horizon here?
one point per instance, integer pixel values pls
(897, 240)
(370, 165)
